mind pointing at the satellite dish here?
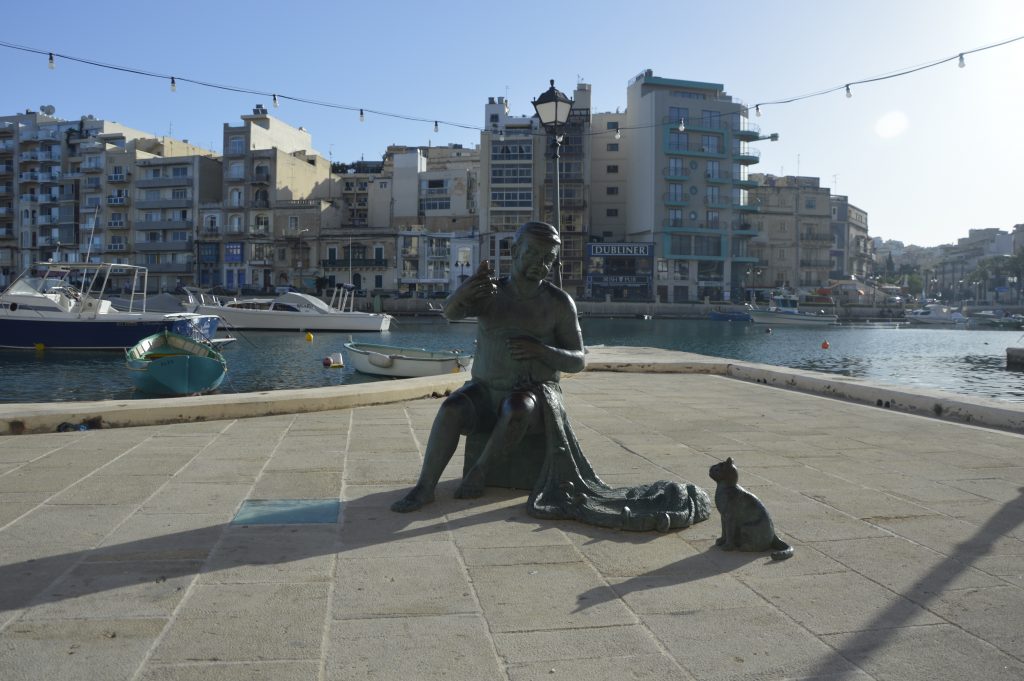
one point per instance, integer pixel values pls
(47, 109)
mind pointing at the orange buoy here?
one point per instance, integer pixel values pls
(824, 345)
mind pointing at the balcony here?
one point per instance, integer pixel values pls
(163, 224)
(343, 263)
(747, 156)
(747, 207)
(143, 204)
(185, 181)
(46, 220)
(49, 198)
(749, 132)
(117, 200)
(745, 182)
(115, 247)
(164, 246)
(674, 199)
(28, 198)
(812, 238)
(171, 267)
(260, 203)
(117, 177)
(261, 177)
(115, 223)
(28, 177)
(6, 233)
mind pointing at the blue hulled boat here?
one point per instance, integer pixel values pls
(167, 363)
(61, 306)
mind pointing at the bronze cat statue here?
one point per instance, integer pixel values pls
(746, 525)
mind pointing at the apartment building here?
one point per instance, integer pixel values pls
(267, 165)
(517, 183)
(64, 184)
(852, 254)
(793, 241)
(689, 153)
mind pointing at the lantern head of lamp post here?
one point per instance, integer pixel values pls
(553, 109)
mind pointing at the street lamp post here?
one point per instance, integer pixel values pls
(757, 275)
(553, 109)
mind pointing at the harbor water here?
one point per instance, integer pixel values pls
(963, 361)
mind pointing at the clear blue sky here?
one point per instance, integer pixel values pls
(928, 155)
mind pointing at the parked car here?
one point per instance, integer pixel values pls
(439, 294)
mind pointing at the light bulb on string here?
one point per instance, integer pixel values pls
(962, 64)
(52, 64)
(174, 85)
(435, 126)
(618, 134)
(682, 125)
(757, 110)
(361, 116)
(501, 135)
(276, 104)
(848, 93)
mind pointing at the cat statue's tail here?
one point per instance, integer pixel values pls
(780, 549)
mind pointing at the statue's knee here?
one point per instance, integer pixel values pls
(519, 406)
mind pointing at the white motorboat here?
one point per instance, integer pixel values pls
(937, 314)
(61, 306)
(386, 360)
(291, 311)
(784, 310)
(440, 311)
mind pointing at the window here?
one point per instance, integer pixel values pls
(810, 202)
(713, 219)
(712, 172)
(179, 193)
(236, 145)
(378, 281)
(613, 125)
(710, 143)
(511, 174)
(152, 195)
(293, 222)
(712, 195)
(236, 169)
(179, 236)
(678, 141)
(511, 151)
(611, 212)
(611, 191)
(512, 199)
(153, 173)
(675, 192)
(179, 171)
(675, 217)
(211, 221)
(233, 252)
(675, 167)
(678, 113)
(612, 146)
(262, 223)
(613, 169)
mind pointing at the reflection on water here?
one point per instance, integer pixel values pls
(969, 362)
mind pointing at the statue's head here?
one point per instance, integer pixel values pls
(538, 230)
(534, 250)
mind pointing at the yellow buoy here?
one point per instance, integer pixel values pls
(40, 347)
(309, 336)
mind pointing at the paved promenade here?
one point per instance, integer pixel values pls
(181, 552)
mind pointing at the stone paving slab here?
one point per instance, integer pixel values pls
(121, 562)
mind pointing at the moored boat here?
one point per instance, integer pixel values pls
(291, 311)
(729, 315)
(937, 314)
(386, 360)
(61, 306)
(784, 310)
(167, 363)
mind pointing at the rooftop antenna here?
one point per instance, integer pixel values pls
(798, 165)
(835, 181)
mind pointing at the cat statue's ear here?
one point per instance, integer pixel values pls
(728, 460)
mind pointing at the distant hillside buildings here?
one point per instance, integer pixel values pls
(656, 201)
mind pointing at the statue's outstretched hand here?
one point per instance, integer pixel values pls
(478, 287)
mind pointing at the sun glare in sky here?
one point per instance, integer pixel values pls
(892, 124)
